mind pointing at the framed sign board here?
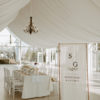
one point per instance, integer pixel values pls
(73, 72)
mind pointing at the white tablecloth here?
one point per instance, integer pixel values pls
(36, 86)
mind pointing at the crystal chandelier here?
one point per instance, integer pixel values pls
(31, 28)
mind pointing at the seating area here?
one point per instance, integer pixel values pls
(28, 81)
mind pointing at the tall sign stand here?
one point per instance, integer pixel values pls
(73, 71)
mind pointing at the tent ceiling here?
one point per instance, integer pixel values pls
(59, 21)
(9, 10)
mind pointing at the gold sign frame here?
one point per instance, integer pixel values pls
(59, 46)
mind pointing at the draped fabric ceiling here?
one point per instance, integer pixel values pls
(68, 21)
(9, 10)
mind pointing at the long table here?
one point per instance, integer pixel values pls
(34, 85)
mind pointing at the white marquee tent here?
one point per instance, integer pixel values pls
(57, 20)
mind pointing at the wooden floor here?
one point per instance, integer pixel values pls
(5, 96)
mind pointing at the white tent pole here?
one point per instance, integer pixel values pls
(20, 52)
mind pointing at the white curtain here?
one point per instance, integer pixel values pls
(57, 20)
(73, 21)
(9, 10)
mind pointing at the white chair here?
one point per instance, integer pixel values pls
(7, 80)
(5, 77)
(17, 83)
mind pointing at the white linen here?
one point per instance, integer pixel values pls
(36, 86)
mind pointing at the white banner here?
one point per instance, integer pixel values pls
(73, 72)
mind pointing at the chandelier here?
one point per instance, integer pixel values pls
(31, 28)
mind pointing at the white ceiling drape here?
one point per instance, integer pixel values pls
(9, 10)
(58, 21)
